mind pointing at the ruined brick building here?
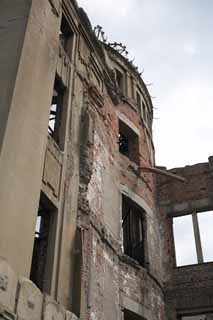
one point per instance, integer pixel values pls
(86, 216)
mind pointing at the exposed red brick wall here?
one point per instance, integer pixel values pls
(187, 288)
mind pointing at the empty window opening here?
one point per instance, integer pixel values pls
(184, 241)
(133, 229)
(205, 220)
(120, 80)
(56, 109)
(66, 36)
(129, 315)
(42, 259)
(128, 142)
(193, 239)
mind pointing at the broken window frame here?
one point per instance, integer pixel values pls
(133, 230)
(44, 245)
(128, 142)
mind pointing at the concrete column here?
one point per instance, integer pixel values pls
(197, 238)
(13, 21)
(27, 71)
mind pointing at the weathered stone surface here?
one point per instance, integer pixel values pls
(8, 285)
(30, 300)
(53, 310)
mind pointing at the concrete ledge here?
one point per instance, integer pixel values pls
(129, 123)
(136, 308)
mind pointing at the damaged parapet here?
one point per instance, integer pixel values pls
(188, 265)
(21, 299)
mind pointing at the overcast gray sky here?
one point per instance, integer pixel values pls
(172, 41)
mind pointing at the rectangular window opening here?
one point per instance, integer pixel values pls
(66, 36)
(128, 142)
(56, 110)
(193, 238)
(133, 230)
(43, 250)
(185, 249)
(205, 220)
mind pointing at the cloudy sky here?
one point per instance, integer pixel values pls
(172, 41)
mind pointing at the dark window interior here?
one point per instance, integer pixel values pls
(133, 230)
(56, 109)
(128, 315)
(120, 80)
(44, 236)
(123, 144)
(128, 142)
(66, 35)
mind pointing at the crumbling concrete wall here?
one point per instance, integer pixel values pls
(19, 297)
